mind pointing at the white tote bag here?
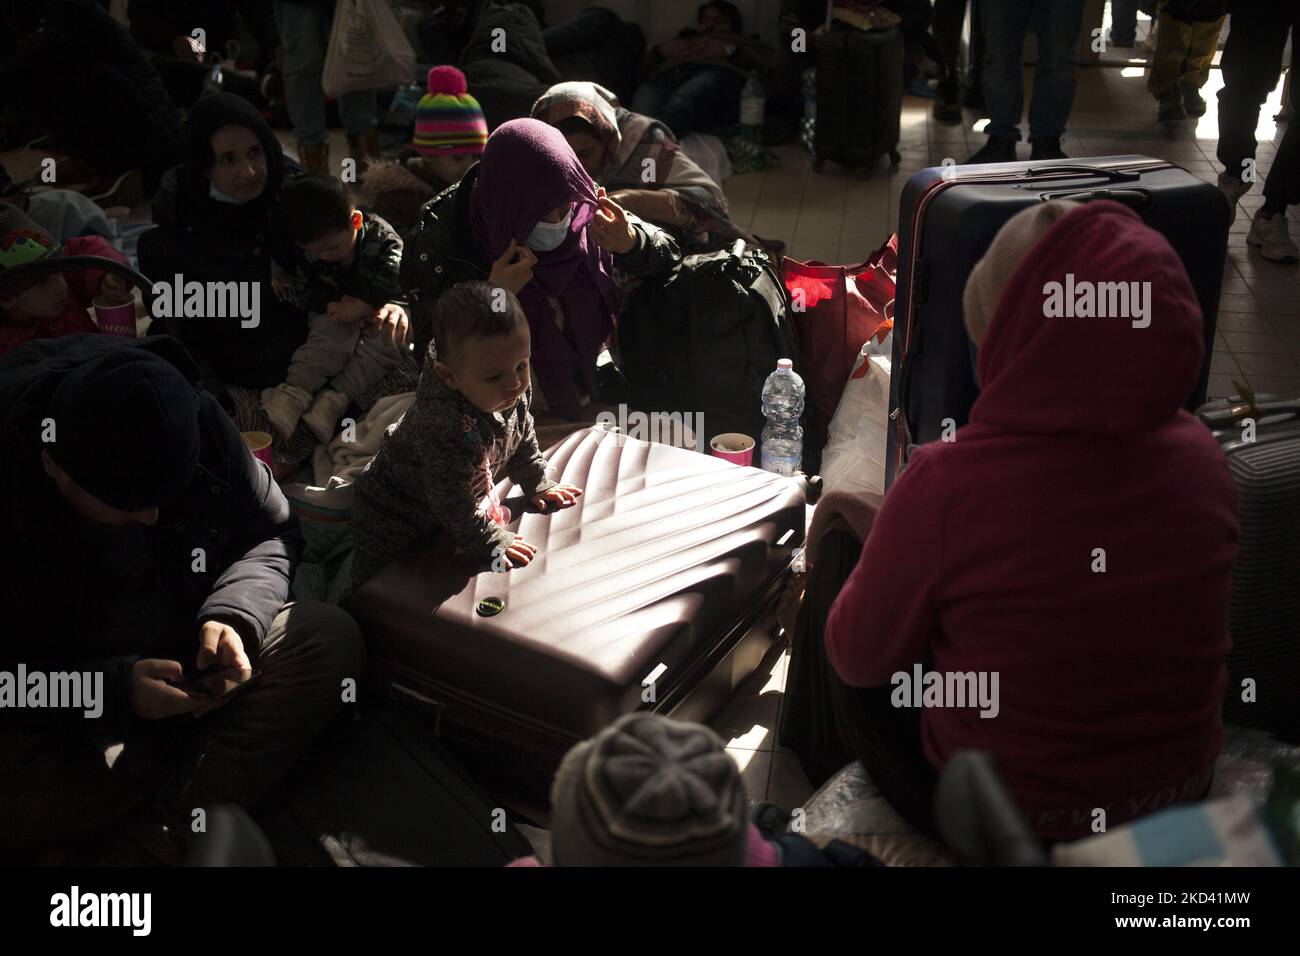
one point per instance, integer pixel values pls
(854, 459)
(367, 49)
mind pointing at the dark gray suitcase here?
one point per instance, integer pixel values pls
(1265, 613)
(656, 592)
(947, 219)
(859, 97)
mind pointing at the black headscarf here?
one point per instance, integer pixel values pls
(210, 114)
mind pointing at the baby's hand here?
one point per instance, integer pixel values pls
(561, 496)
(515, 556)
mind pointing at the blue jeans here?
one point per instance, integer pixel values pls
(304, 34)
(1005, 23)
(1123, 21)
(691, 99)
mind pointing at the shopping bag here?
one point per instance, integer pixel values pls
(367, 49)
(854, 459)
(836, 310)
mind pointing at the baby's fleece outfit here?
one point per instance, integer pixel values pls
(433, 470)
(349, 357)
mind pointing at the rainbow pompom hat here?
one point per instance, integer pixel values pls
(448, 121)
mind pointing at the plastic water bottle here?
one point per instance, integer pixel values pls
(752, 103)
(782, 438)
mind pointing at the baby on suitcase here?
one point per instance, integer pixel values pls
(435, 469)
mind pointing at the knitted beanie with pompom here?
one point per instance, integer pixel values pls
(448, 121)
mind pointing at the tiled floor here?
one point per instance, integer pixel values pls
(837, 218)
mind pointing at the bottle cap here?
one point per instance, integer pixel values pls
(784, 363)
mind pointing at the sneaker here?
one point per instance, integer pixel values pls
(999, 149)
(1172, 108)
(284, 406)
(1123, 43)
(1193, 101)
(1046, 147)
(322, 417)
(1270, 233)
(1233, 187)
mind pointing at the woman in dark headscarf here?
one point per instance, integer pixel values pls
(216, 223)
(637, 160)
(529, 218)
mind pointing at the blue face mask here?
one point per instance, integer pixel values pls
(549, 235)
(219, 196)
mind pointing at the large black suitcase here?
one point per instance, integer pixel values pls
(859, 96)
(1265, 611)
(656, 592)
(947, 219)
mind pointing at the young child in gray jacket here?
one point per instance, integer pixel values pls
(436, 468)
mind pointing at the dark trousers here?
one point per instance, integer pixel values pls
(827, 724)
(61, 788)
(1251, 64)
(598, 46)
(691, 98)
(1006, 22)
(1282, 187)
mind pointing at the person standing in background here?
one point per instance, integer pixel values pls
(304, 27)
(1005, 22)
(1187, 36)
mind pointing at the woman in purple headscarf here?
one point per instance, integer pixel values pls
(529, 218)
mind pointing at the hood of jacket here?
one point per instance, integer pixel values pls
(1097, 331)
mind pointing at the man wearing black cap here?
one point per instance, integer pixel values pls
(142, 545)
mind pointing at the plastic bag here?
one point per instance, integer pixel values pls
(367, 49)
(854, 459)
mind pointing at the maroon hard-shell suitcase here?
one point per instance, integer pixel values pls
(656, 592)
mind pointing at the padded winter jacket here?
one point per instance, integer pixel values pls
(77, 596)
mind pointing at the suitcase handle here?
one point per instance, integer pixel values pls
(1133, 198)
(1110, 175)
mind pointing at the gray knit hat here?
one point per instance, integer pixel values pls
(649, 791)
(991, 274)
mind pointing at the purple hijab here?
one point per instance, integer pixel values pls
(527, 170)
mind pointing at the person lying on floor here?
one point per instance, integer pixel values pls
(436, 468)
(1066, 558)
(528, 218)
(143, 546)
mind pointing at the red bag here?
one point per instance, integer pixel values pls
(835, 310)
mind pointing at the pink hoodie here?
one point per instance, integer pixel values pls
(988, 550)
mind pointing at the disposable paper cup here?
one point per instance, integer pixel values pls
(259, 443)
(733, 447)
(115, 319)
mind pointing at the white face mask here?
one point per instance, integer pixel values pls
(549, 235)
(219, 196)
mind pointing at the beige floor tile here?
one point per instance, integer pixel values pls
(755, 767)
(749, 721)
(1256, 343)
(787, 786)
(1273, 366)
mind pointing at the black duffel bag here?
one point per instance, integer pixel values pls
(705, 339)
